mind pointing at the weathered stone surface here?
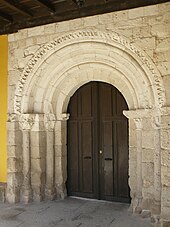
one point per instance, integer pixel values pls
(146, 213)
(165, 224)
(2, 192)
(47, 64)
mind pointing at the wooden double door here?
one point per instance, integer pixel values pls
(98, 144)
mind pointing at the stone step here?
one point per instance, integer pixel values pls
(2, 192)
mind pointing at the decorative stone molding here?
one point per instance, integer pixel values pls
(49, 121)
(12, 117)
(141, 113)
(64, 117)
(93, 36)
(26, 121)
(138, 122)
(156, 122)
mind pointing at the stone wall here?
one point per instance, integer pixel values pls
(129, 49)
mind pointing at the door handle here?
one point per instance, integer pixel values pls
(108, 159)
(100, 152)
(87, 157)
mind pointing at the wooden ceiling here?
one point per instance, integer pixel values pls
(18, 14)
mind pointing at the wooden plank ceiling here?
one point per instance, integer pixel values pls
(18, 14)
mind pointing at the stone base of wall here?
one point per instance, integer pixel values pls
(2, 192)
(166, 224)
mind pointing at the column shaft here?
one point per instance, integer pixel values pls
(27, 192)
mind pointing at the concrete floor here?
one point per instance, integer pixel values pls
(71, 212)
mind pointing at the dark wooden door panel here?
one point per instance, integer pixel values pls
(84, 103)
(107, 148)
(98, 143)
(87, 156)
(73, 155)
(122, 157)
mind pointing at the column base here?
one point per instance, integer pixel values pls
(61, 192)
(165, 223)
(137, 205)
(12, 195)
(2, 192)
(155, 220)
(50, 193)
(26, 196)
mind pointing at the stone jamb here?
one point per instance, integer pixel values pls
(136, 115)
(49, 121)
(154, 116)
(156, 208)
(14, 175)
(61, 155)
(38, 157)
(165, 166)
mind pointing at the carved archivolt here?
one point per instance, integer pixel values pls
(89, 35)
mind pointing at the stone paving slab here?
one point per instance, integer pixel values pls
(71, 212)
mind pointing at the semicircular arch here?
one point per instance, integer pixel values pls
(63, 65)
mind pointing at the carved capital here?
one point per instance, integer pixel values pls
(26, 121)
(12, 117)
(49, 121)
(138, 122)
(64, 116)
(156, 122)
(138, 113)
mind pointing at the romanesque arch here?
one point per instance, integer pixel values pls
(45, 86)
(106, 50)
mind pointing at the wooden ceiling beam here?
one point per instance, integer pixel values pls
(47, 5)
(67, 10)
(17, 7)
(6, 16)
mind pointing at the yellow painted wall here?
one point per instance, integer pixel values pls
(3, 105)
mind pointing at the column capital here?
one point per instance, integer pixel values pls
(138, 122)
(49, 122)
(26, 121)
(13, 117)
(64, 117)
(138, 113)
(156, 122)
